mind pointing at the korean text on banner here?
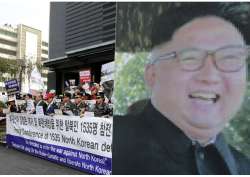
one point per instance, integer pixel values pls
(84, 144)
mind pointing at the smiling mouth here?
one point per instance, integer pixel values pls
(205, 96)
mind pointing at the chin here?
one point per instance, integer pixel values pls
(206, 123)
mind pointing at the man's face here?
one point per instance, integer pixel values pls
(99, 100)
(78, 99)
(38, 98)
(49, 100)
(65, 99)
(94, 91)
(185, 96)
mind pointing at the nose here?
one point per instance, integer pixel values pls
(208, 74)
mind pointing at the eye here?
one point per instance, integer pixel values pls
(232, 53)
(190, 56)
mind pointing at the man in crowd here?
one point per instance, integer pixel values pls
(80, 105)
(30, 106)
(197, 78)
(51, 104)
(12, 105)
(68, 108)
(4, 98)
(94, 92)
(41, 106)
(101, 108)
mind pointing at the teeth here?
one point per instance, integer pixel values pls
(205, 96)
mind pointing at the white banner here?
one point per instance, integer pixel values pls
(68, 136)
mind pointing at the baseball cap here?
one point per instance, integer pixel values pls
(48, 96)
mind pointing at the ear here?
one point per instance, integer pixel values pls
(149, 76)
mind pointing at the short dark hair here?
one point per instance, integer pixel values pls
(79, 94)
(164, 26)
(40, 95)
(67, 94)
(29, 95)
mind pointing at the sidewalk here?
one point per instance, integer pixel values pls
(13, 162)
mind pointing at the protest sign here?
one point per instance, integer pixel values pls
(84, 144)
(107, 72)
(85, 76)
(11, 86)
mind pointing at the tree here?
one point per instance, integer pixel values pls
(8, 66)
(129, 80)
(135, 20)
(237, 132)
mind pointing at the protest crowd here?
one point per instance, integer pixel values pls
(87, 99)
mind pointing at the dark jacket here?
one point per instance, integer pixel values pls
(13, 108)
(51, 109)
(80, 108)
(148, 143)
(101, 110)
(69, 107)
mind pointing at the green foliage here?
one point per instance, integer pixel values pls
(2, 105)
(237, 132)
(129, 81)
(135, 21)
(39, 66)
(8, 66)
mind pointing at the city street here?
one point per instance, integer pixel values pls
(14, 162)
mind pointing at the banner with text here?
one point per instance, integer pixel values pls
(11, 86)
(85, 76)
(84, 144)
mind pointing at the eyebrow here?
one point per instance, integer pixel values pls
(165, 56)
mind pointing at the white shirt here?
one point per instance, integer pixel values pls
(30, 106)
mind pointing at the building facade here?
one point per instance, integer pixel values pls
(22, 43)
(82, 38)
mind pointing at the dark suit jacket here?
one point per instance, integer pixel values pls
(148, 143)
(51, 109)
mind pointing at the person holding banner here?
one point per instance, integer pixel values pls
(12, 105)
(30, 106)
(41, 105)
(101, 108)
(50, 110)
(80, 105)
(68, 108)
(197, 78)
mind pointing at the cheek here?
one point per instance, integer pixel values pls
(234, 91)
(235, 85)
(171, 82)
